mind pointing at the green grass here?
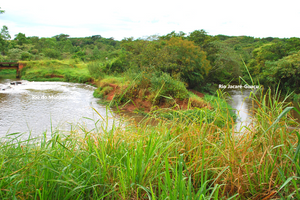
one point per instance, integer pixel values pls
(7, 71)
(212, 109)
(56, 70)
(171, 160)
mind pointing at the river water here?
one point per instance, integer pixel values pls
(36, 107)
(240, 101)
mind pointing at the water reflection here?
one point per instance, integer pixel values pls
(240, 101)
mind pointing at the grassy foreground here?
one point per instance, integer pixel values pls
(179, 159)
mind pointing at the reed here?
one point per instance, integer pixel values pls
(179, 159)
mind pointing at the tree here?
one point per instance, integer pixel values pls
(61, 37)
(226, 63)
(96, 37)
(14, 54)
(181, 34)
(4, 33)
(96, 53)
(180, 58)
(21, 38)
(51, 53)
(4, 37)
(68, 47)
(285, 71)
(1, 11)
(2, 45)
(187, 60)
(50, 43)
(198, 36)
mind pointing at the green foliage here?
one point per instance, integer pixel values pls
(21, 38)
(179, 58)
(4, 38)
(155, 87)
(164, 85)
(114, 66)
(55, 70)
(26, 56)
(97, 93)
(7, 71)
(79, 54)
(96, 53)
(102, 92)
(14, 54)
(198, 36)
(59, 46)
(186, 61)
(226, 63)
(2, 45)
(173, 34)
(285, 71)
(76, 77)
(61, 37)
(51, 53)
(198, 59)
(196, 156)
(67, 46)
(96, 69)
(296, 98)
(218, 114)
(5, 33)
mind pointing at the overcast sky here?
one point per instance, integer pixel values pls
(138, 18)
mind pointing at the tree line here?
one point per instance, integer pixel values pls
(198, 59)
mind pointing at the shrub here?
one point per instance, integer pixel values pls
(114, 66)
(14, 54)
(197, 102)
(74, 77)
(102, 91)
(96, 69)
(167, 86)
(26, 56)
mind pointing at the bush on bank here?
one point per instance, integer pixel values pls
(178, 159)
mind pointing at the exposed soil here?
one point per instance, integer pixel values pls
(146, 105)
(199, 94)
(111, 94)
(56, 76)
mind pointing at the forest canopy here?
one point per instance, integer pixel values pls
(197, 58)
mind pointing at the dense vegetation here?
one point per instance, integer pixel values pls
(197, 59)
(195, 155)
(179, 159)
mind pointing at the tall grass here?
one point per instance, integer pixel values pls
(171, 160)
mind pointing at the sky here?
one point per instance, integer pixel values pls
(139, 19)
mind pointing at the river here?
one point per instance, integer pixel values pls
(240, 101)
(36, 107)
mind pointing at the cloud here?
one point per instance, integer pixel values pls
(132, 18)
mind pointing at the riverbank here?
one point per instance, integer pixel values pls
(173, 160)
(56, 70)
(133, 92)
(191, 151)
